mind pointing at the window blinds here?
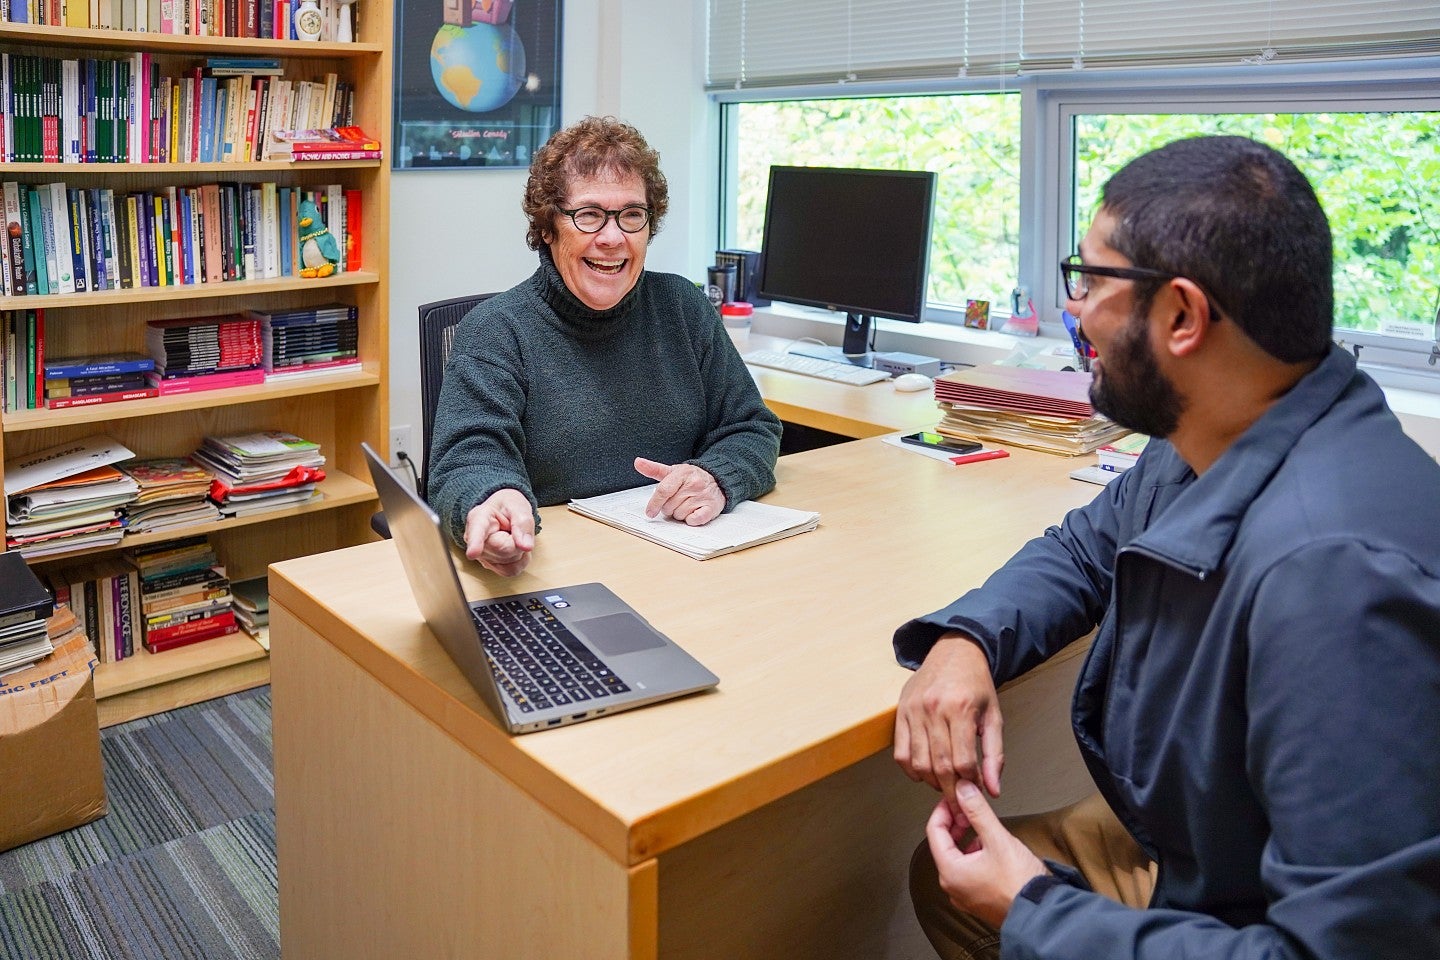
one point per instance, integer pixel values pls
(759, 43)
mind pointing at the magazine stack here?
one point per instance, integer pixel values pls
(260, 472)
(173, 493)
(205, 353)
(67, 497)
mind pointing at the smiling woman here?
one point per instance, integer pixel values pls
(594, 375)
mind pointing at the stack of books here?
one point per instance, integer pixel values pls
(81, 381)
(205, 353)
(1047, 410)
(331, 143)
(1120, 455)
(184, 594)
(67, 497)
(25, 605)
(104, 596)
(252, 607)
(311, 340)
(259, 472)
(173, 493)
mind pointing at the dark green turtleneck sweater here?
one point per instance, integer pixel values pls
(556, 400)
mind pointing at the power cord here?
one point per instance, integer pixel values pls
(404, 458)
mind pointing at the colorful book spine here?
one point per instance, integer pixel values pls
(60, 403)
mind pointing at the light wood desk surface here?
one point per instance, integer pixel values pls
(798, 632)
(869, 411)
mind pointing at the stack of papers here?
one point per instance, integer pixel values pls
(1047, 410)
(67, 497)
(747, 525)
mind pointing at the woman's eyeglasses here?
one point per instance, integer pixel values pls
(631, 219)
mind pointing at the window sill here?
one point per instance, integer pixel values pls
(953, 344)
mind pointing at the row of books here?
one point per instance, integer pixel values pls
(23, 360)
(165, 596)
(75, 110)
(60, 500)
(65, 239)
(187, 355)
(268, 19)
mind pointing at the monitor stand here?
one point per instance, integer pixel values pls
(854, 349)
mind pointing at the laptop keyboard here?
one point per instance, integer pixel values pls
(537, 660)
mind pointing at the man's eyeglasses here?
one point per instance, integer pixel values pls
(1077, 275)
(631, 219)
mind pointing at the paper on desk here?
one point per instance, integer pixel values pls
(747, 525)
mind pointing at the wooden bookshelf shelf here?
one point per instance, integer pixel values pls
(147, 683)
(189, 291)
(155, 406)
(222, 171)
(337, 410)
(71, 38)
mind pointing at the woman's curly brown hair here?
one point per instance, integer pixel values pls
(595, 145)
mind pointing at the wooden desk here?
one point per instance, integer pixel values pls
(762, 819)
(868, 411)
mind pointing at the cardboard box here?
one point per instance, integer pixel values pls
(50, 746)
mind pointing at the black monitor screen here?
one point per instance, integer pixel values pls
(853, 240)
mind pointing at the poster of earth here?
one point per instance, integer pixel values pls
(477, 82)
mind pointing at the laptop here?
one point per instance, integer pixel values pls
(541, 659)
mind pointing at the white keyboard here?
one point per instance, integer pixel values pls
(812, 367)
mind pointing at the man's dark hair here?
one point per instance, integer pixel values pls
(1239, 219)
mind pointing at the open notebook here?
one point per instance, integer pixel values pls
(748, 524)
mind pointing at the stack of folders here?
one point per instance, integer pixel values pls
(748, 525)
(67, 497)
(1046, 410)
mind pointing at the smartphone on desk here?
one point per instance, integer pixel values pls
(934, 441)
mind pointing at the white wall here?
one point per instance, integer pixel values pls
(455, 232)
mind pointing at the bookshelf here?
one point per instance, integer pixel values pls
(337, 411)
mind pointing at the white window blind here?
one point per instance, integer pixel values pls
(759, 43)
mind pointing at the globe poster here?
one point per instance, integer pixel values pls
(477, 82)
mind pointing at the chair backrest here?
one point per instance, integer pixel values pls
(438, 322)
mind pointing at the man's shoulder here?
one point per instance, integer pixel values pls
(1354, 474)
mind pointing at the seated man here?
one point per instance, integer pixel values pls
(1257, 706)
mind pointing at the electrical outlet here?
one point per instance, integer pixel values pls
(401, 438)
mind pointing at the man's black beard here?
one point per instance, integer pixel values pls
(1131, 389)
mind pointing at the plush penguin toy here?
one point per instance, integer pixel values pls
(319, 253)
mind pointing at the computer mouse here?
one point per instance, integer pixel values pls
(911, 382)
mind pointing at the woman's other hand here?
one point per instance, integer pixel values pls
(685, 492)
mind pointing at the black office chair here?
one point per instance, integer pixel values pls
(438, 322)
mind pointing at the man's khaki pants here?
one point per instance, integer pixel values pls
(1085, 835)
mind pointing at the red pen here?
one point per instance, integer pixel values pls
(982, 455)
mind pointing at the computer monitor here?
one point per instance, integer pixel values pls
(851, 240)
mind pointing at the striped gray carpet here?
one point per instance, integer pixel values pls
(182, 867)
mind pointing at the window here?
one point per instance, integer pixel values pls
(971, 141)
(1372, 170)
(1029, 105)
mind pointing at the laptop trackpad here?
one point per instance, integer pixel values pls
(617, 633)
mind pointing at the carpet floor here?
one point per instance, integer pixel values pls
(183, 865)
